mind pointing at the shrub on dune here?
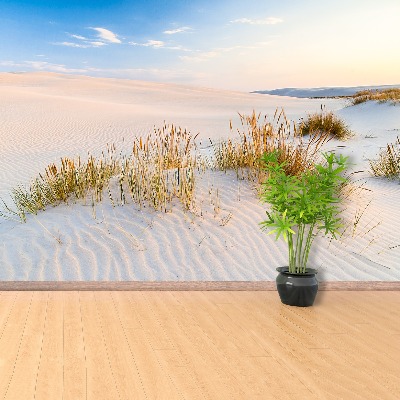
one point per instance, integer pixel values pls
(325, 122)
(258, 136)
(161, 167)
(382, 96)
(388, 162)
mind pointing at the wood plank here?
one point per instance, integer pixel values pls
(168, 366)
(24, 378)
(354, 374)
(350, 312)
(121, 358)
(198, 345)
(11, 337)
(100, 379)
(50, 376)
(74, 349)
(209, 367)
(287, 350)
(7, 301)
(234, 344)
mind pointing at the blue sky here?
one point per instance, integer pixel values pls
(242, 45)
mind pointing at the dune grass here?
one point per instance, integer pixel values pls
(391, 95)
(257, 136)
(160, 167)
(388, 162)
(325, 122)
(164, 165)
(58, 184)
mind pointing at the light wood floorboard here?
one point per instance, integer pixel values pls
(116, 345)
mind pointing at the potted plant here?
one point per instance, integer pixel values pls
(301, 206)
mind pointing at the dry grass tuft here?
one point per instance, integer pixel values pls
(388, 162)
(382, 96)
(163, 166)
(325, 122)
(72, 179)
(257, 136)
(160, 168)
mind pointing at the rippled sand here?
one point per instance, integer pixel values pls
(47, 116)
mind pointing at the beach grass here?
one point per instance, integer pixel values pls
(258, 135)
(164, 165)
(159, 168)
(71, 179)
(391, 95)
(387, 164)
(325, 122)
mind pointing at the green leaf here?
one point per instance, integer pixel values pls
(310, 199)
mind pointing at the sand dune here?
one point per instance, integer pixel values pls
(46, 116)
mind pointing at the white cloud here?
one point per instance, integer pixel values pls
(150, 43)
(97, 44)
(106, 35)
(154, 43)
(70, 44)
(78, 37)
(178, 30)
(178, 47)
(265, 21)
(159, 44)
(85, 45)
(84, 42)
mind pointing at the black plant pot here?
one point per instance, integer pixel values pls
(297, 289)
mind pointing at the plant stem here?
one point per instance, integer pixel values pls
(299, 247)
(308, 246)
(292, 256)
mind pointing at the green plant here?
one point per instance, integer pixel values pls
(326, 122)
(302, 205)
(388, 162)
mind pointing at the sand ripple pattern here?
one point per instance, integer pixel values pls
(47, 116)
(221, 240)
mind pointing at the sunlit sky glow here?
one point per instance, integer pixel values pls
(242, 45)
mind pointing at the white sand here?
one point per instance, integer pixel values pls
(45, 116)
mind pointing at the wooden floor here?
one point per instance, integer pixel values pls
(198, 345)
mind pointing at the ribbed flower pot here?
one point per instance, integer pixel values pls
(297, 289)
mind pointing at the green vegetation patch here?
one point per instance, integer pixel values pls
(303, 205)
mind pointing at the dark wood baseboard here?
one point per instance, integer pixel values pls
(186, 285)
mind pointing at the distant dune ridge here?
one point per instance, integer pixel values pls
(45, 116)
(322, 91)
